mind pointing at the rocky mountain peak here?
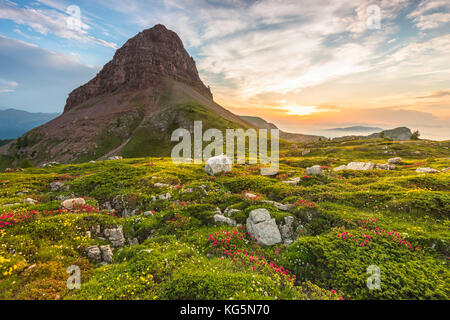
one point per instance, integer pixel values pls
(144, 61)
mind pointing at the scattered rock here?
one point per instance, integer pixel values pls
(306, 152)
(133, 242)
(94, 254)
(385, 166)
(148, 214)
(395, 160)
(427, 170)
(107, 254)
(314, 170)
(293, 181)
(161, 185)
(11, 204)
(64, 198)
(115, 236)
(279, 206)
(220, 219)
(343, 167)
(356, 166)
(72, 203)
(50, 164)
(263, 228)
(121, 204)
(92, 161)
(115, 158)
(107, 206)
(188, 190)
(229, 212)
(30, 201)
(165, 196)
(445, 170)
(287, 230)
(250, 195)
(360, 166)
(56, 186)
(218, 164)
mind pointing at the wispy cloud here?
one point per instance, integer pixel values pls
(41, 78)
(49, 21)
(7, 86)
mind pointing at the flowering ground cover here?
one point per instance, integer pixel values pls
(345, 222)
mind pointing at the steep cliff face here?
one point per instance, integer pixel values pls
(142, 63)
(131, 107)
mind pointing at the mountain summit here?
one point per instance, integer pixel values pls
(150, 88)
(141, 63)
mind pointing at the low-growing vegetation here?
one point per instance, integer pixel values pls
(345, 222)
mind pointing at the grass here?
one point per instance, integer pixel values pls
(397, 220)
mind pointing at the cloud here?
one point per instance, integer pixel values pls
(436, 94)
(7, 86)
(45, 77)
(426, 16)
(45, 21)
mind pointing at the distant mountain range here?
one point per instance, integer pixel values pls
(357, 129)
(14, 123)
(293, 137)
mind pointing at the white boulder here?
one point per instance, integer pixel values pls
(115, 158)
(30, 201)
(314, 170)
(218, 164)
(395, 160)
(426, 170)
(72, 203)
(263, 228)
(107, 254)
(220, 219)
(115, 236)
(360, 166)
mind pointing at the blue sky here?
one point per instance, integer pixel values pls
(296, 62)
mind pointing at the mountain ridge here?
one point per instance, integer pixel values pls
(130, 108)
(15, 122)
(288, 136)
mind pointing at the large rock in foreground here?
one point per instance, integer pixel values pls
(218, 164)
(263, 228)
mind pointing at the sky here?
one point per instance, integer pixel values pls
(303, 65)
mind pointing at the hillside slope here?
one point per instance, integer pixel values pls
(150, 88)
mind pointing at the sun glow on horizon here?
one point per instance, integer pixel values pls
(297, 110)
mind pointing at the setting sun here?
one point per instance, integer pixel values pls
(300, 110)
